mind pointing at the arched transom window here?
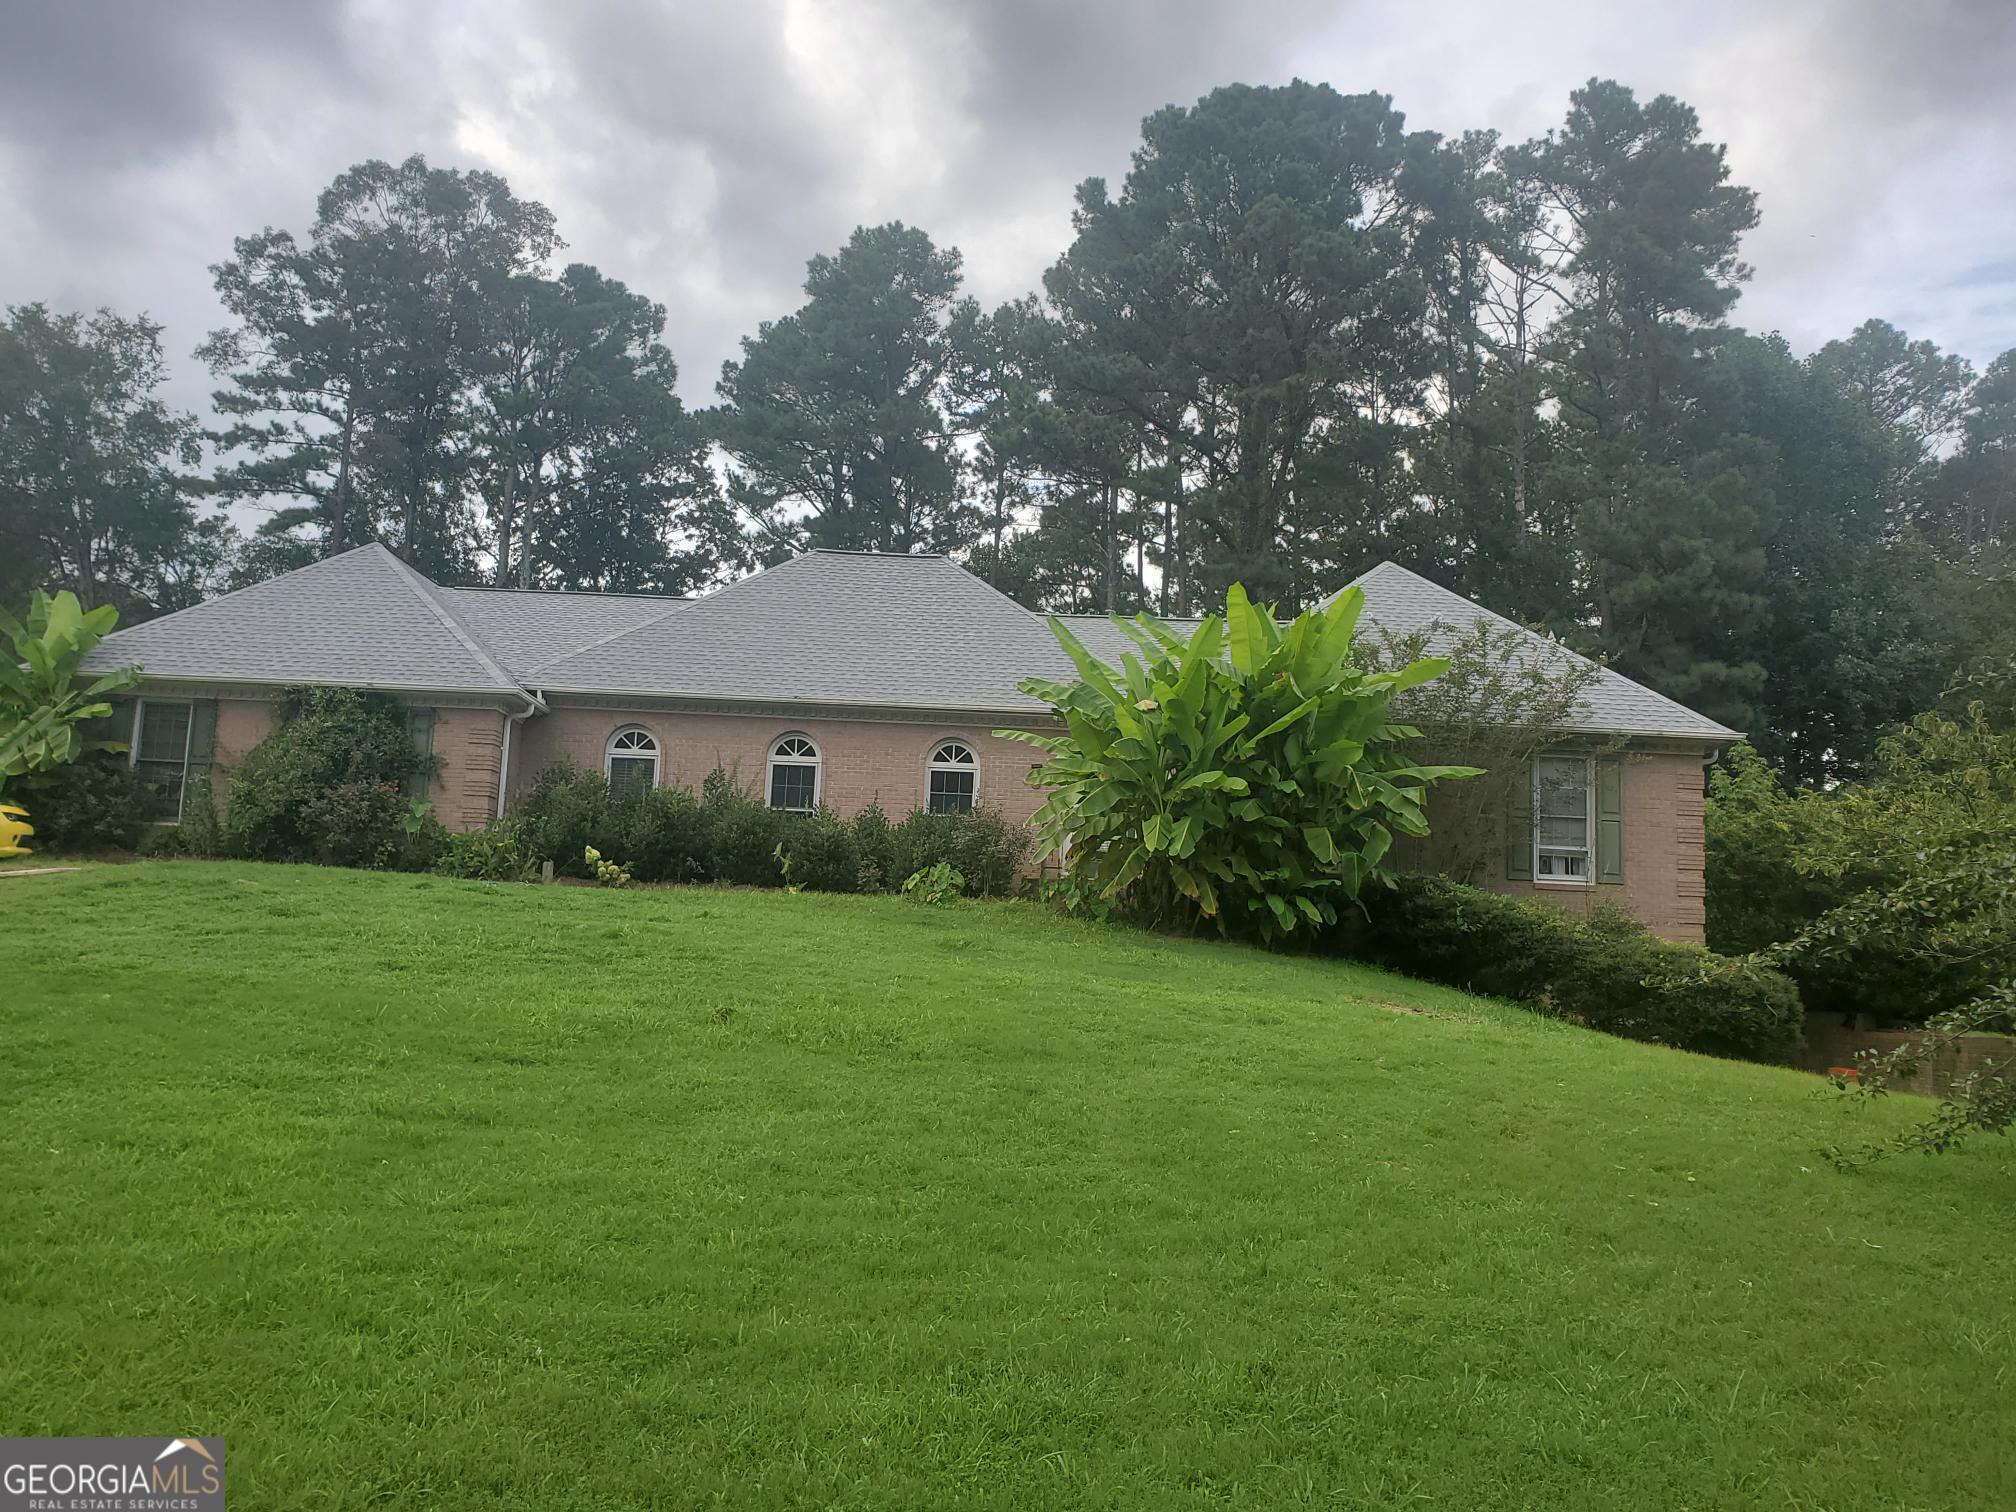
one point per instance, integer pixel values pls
(952, 780)
(794, 774)
(631, 760)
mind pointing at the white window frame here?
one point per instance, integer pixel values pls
(134, 758)
(1588, 848)
(610, 753)
(970, 768)
(815, 760)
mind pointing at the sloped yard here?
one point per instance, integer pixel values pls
(428, 1193)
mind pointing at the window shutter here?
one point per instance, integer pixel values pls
(1519, 829)
(420, 730)
(116, 727)
(202, 737)
(1610, 820)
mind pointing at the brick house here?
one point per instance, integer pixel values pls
(837, 678)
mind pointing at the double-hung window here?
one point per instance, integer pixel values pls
(952, 778)
(161, 755)
(794, 774)
(1564, 819)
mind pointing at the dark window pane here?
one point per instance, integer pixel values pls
(628, 774)
(792, 785)
(951, 793)
(162, 783)
(160, 755)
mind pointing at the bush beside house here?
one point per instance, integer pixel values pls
(1606, 971)
(723, 834)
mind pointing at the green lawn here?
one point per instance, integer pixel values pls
(439, 1194)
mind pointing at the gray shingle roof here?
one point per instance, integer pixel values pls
(834, 627)
(524, 628)
(1404, 603)
(830, 627)
(361, 619)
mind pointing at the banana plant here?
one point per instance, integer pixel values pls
(1249, 775)
(41, 702)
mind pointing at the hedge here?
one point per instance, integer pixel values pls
(1604, 971)
(723, 834)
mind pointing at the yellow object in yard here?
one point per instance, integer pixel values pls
(13, 825)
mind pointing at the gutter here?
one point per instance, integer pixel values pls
(534, 704)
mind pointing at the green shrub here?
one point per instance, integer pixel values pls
(1638, 987)
(1443, 931)
(988, 850)
(1604, 971)
(822, 853)
(661, 833)
(359, 824)
(495, 853)
(875, 846)
(1251, 776)
(732, 836)
(742, 834)
(328, 785)
(90, 804)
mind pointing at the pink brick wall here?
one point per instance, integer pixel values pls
(863, 761)
(470, 743)
(1663, 886)
(241, 724)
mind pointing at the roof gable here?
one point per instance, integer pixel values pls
(360, 619)
(1401, 602)
(836, 627)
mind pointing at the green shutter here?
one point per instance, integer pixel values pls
(116, 727)
(202, 737)
(1519, 829)
(420, 730)
(1610, 820)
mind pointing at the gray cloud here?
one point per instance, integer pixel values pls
(702, 152)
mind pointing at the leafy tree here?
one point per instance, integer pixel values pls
(597, 475)
(1668, 529)
(834, 420)
(1906, 388)
(350, 364)
(1248, 299)
(1974, 497)
(94, 495)
(1250, 776)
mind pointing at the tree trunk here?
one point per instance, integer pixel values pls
(339, 512)
(505, 520)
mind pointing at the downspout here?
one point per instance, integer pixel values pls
(533, 705)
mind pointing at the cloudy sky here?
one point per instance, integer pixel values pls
(701, 151)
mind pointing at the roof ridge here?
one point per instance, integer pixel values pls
(678, 598)
(427, 590)
(913, 556)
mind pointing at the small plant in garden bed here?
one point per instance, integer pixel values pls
(938, 883)
(607, 873)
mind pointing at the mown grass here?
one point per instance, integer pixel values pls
(439, 1194)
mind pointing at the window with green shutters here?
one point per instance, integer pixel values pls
(1566, 823)
(170, 747)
